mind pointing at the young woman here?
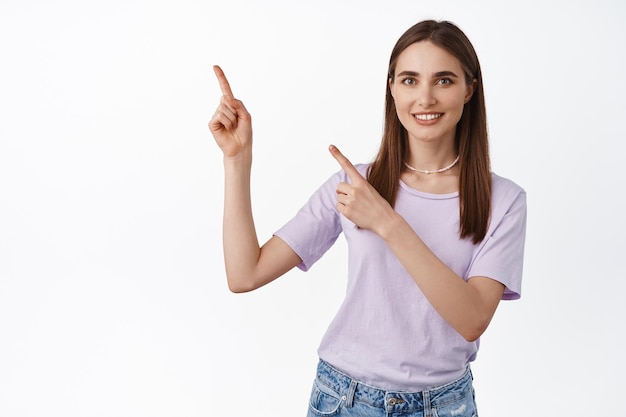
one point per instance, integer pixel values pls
(435, 238)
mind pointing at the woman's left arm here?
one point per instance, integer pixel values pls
(467, 306)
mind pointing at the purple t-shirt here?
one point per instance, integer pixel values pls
(386, 333)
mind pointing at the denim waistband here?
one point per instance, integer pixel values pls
(400, 400)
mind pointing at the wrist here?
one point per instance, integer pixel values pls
(242, 159)
(391, 224)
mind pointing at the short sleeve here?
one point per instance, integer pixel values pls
(500, 256)
(316, 226)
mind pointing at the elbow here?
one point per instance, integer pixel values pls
(238, 287)
(240, 284)
(473, 332)
(471, 336)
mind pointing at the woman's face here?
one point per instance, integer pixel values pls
(429, 92)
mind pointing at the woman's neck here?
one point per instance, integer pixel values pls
(431, 156)
(438, 160)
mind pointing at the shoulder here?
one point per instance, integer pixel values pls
(506, 197)
(363, 168)
(341, 176)
(328, 188)
(504, 188)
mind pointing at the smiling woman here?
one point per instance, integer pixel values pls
(428, 92)
(435, 239)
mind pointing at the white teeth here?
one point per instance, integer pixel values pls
(428, 116)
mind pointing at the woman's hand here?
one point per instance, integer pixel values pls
(360, 202)
(231, 124)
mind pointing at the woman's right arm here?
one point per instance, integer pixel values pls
(248, 266)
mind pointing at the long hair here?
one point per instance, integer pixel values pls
(471, 139)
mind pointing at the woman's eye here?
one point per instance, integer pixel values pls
(408, 81)
(444, 81)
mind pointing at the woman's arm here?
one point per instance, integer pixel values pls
(248, 266)
(467, 306)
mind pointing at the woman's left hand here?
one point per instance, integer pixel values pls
(359, 201)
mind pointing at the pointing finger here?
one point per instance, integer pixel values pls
(224, 85)
(347, 166)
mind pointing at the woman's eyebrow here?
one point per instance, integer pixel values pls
(436, 74)
(445, 74)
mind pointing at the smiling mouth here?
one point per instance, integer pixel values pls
(428, 117)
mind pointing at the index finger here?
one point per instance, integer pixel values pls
(347, 166)
(221, 78)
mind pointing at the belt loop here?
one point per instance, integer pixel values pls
(426, 397)
(350, 394)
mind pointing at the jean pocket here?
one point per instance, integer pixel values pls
(464, 407)
(324, 400)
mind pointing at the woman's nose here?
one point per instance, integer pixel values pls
(426, 98)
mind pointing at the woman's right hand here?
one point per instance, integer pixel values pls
(231, 124)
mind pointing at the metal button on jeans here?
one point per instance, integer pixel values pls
(394, 401)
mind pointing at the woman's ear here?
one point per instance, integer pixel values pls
(470, 90)
(390, 81)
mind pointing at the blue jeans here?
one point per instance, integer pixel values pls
(336, 394)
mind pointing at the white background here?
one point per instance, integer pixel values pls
(113, 300)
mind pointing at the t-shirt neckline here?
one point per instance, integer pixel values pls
(428, 195)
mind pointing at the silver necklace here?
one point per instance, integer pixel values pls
(426, 171)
